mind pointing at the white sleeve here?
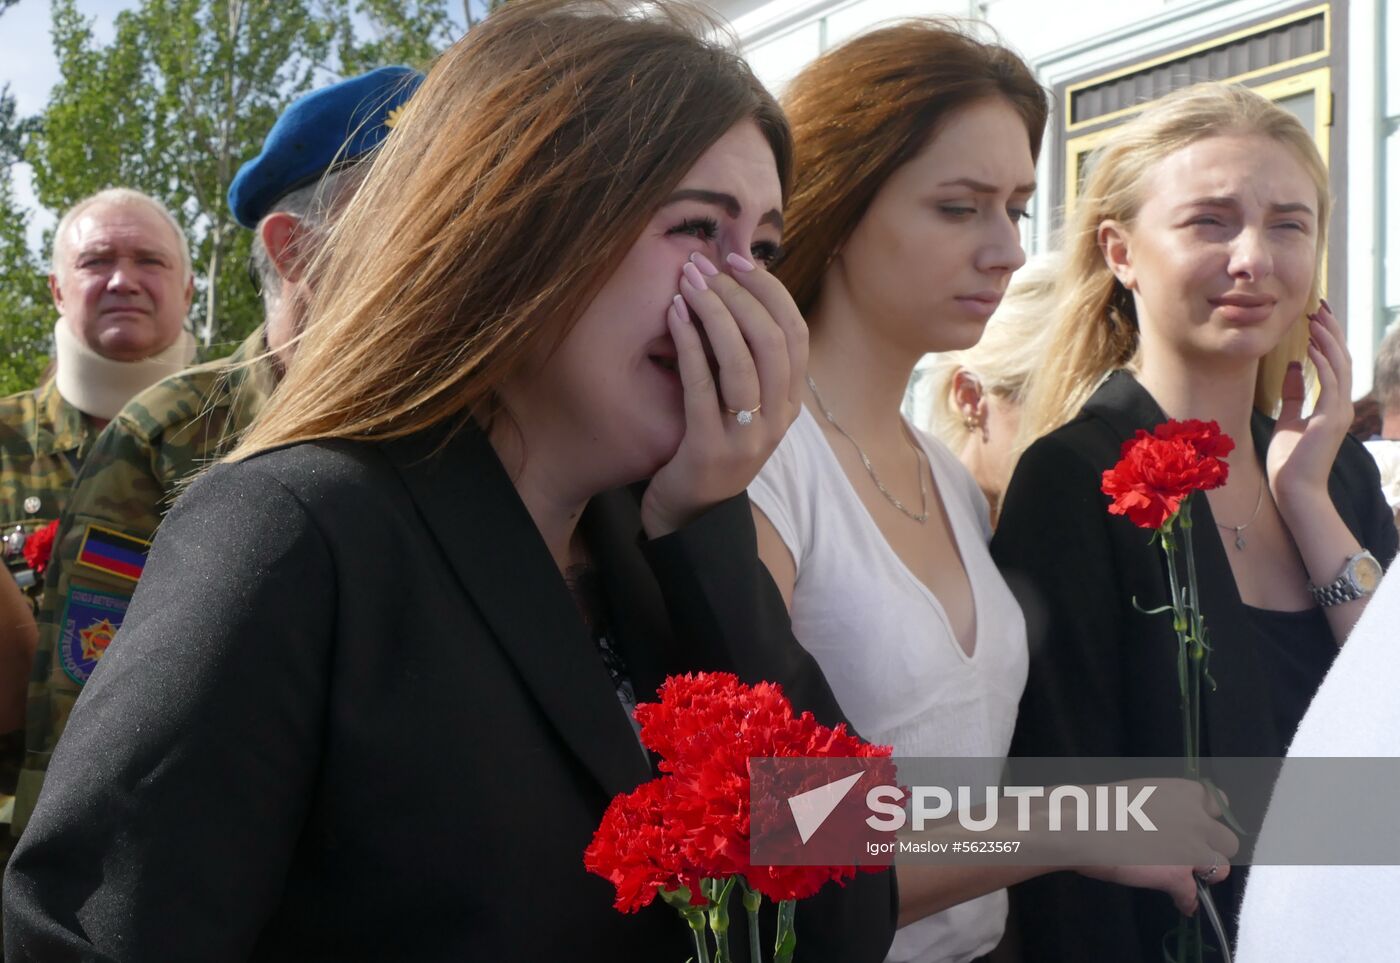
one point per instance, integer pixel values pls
(785, 499)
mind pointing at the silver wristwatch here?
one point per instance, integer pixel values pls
(1360, 576)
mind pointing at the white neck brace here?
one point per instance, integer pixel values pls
(99, 386)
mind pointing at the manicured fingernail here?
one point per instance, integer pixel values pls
(678, 303)
(738, 263)
(1295, 366)
(704, 264)
(692, 274)
(1327, 306)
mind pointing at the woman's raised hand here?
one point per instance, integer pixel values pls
(737, 412)
(1303, 449)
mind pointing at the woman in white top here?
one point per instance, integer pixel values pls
(915, 151)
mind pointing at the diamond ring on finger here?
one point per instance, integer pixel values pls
(744, 416)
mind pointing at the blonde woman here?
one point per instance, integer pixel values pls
(374, 691)
(1191, 292)
(976, 393)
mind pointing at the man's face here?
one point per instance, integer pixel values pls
(121, 286)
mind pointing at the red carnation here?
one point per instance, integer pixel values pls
(1205, 436)
(38, 548)
(638, 848)
(694, 821)
(1157, 471)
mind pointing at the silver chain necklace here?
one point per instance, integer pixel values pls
(920, 517)
(1239, 529)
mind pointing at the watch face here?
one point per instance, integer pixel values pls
(1367, 574)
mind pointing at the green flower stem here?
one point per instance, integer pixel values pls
(1186, 944)
(753, 899)
(1199, 651)
(787, 936)
(718, 894)
(696, 918)
(679, 900)
(1192, 655)
(1181, 624)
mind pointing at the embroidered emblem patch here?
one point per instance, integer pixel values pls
(113, 553)
(90, 621)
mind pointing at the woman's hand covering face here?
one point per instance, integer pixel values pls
(759, 341)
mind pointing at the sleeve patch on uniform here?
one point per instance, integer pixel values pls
(112, 553)
(90, 621)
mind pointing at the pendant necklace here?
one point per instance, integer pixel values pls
(921, 516)
(1239, 529)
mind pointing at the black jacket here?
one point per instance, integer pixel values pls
(1102, 678)
(353, 714)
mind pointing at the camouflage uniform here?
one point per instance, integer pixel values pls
(43, 441)
(160, 439)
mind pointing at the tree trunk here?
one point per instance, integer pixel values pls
(211, 303)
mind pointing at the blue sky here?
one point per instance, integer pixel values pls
(28, 65)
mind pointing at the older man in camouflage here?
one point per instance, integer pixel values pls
(307, 167)
(122, 286)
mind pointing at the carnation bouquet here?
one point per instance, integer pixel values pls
(685, 835)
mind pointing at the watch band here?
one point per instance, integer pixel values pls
(1339, 590)
(1350, 584)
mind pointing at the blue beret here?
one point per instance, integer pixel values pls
(308, 138)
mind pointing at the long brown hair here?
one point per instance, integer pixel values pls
(1095, 323)
(515, 181)
(861, 110)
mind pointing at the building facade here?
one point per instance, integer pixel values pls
(1326, 62)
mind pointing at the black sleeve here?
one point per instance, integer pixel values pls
(175, 799)
(728, 611)
(1378, 533)
(726, 606)
(1052, 546)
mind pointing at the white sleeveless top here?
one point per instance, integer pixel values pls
(885, 643)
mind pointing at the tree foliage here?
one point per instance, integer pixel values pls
(25, 315)
(409, 32)
(184, 94)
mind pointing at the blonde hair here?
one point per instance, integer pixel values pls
(1010, 349)
(117, 197)
(516, 180)
(1095, 329)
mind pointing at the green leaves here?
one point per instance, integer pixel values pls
(26, 314)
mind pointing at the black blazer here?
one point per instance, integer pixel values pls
(1102, 678)
(353, 714)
